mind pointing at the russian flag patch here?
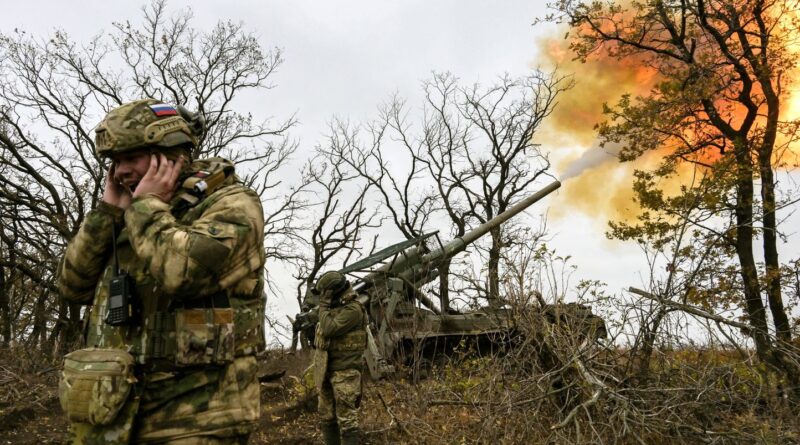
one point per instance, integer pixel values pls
(161, 110)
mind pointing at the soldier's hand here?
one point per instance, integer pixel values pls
(161, 179)
(115, 193)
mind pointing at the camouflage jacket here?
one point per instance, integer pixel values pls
(199, 285)
(341, 332)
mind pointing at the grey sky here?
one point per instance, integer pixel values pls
(341, 56)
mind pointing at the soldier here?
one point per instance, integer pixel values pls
(171, 263)
(340, 340)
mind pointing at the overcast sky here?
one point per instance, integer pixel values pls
(344, 57)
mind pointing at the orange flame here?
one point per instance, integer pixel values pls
(595, 182)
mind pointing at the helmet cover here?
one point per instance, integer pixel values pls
(140, 124)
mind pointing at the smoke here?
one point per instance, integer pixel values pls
(594, 181)
(594, 157)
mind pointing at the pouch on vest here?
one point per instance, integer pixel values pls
(204, 336)
(352, 341)
(95, 384)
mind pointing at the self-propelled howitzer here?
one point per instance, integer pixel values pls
(404, 321)
(417, 265)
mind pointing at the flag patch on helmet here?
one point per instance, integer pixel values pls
(164, 110)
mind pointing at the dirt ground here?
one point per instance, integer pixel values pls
(442, 409)
(30, 413)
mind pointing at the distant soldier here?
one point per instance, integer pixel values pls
(171, 263)
(340, 341)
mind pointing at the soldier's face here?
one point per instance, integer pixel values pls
(130, 168)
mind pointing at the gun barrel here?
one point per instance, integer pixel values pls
(457, 245)
(403, 264)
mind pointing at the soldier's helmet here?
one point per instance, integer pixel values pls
(147, 123)
(333, 282)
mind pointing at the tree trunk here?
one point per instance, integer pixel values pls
(773, 268)
(5, 309)
(649, 334)
(744, 251)
(65, 334)
(771, 261)
(56, 338)
(444, 289)
(770, 239)
(38, 336)
(74, 335)
(494, 268)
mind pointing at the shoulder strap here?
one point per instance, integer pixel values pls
(201, 184)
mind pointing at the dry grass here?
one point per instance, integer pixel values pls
(549, 392)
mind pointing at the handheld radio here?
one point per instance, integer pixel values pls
(121, 289)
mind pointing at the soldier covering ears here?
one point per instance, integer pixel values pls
(170, 263)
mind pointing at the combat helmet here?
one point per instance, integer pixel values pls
(146, 123)
(332, 281)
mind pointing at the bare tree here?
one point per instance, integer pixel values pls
(340, 216)
(500, 161)
(472, 157)
(409, 208)
(341, 219)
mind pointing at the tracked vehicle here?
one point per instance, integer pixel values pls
(407, 327)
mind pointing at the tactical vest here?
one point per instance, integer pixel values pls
(353, 341)
(168, 334)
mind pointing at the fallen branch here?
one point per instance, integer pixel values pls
(571, 415)
(395, 420)
(689, 309)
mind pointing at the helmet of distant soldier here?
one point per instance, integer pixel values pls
(147, 123)
(333, 282)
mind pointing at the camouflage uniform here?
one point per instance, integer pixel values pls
(197, 324)
(340, 341)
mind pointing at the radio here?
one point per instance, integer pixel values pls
(121, 290)
(120, 296)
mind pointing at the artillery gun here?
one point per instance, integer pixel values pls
(405, 324)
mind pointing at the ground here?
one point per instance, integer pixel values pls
(693, 396)
(30, 413)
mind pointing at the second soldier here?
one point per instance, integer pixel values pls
(340, 340)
